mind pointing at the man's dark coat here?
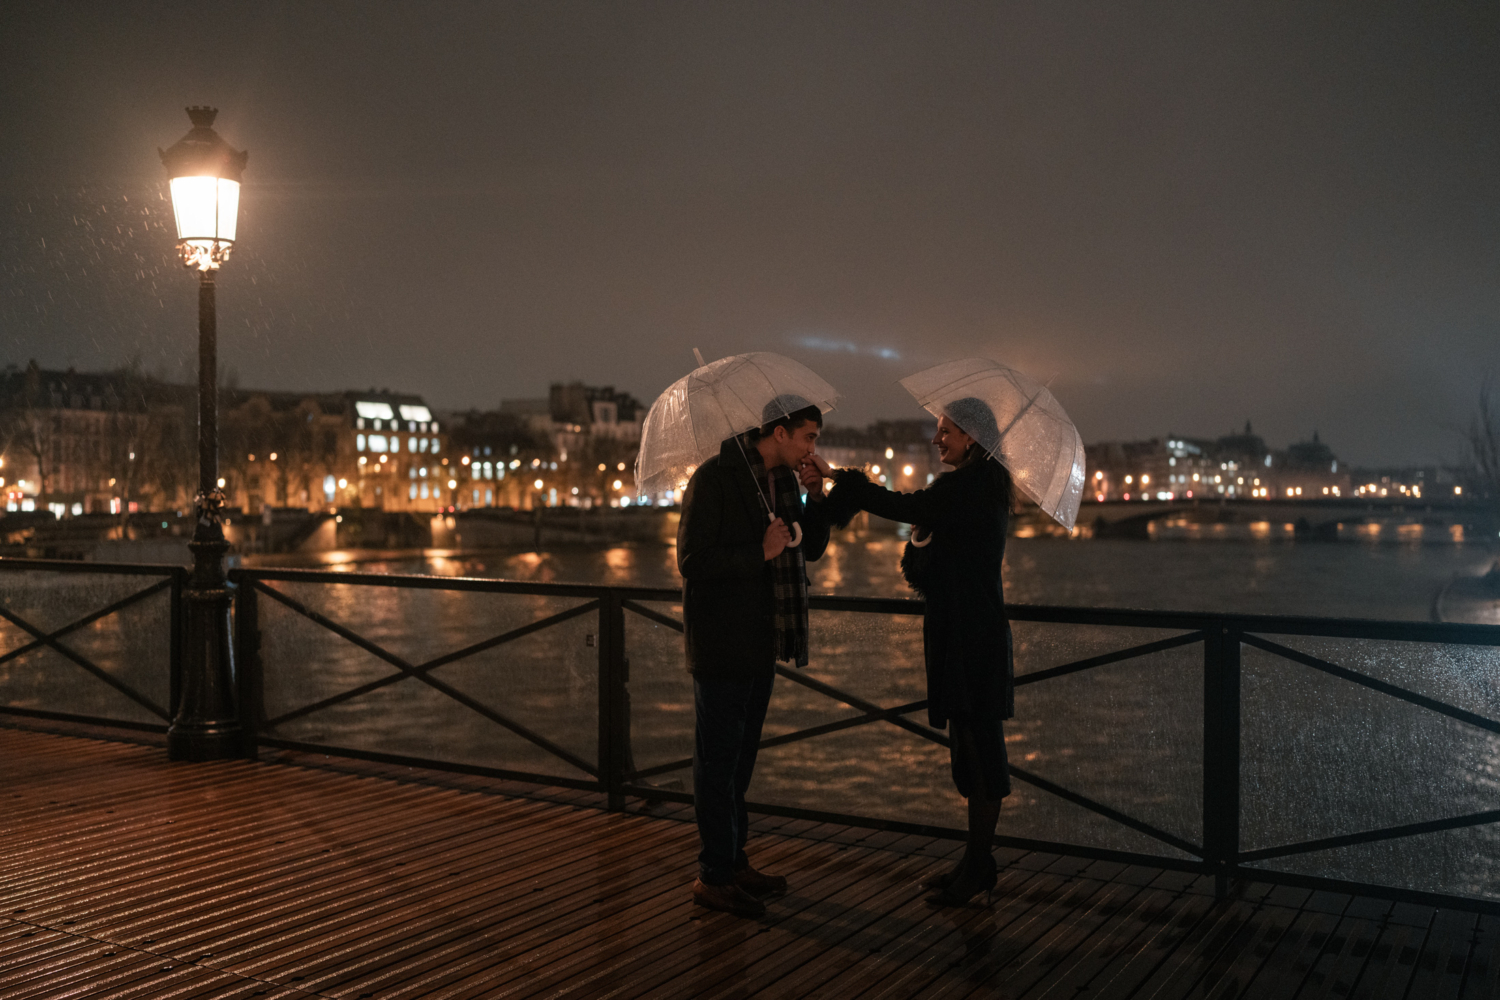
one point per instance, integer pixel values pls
(965, 635)
(726, 580)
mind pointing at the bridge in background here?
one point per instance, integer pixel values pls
(1314, 516)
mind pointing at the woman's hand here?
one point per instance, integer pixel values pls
(812, 471)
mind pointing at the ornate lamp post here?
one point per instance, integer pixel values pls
(204, 171)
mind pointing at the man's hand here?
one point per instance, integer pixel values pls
(776, 540)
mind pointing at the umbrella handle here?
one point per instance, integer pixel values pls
(796, 535)
(923, 543)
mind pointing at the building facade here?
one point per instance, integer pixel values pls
(1233, 466)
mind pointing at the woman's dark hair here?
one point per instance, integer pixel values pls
(975, 418)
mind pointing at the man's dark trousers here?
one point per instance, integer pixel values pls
(730, 714)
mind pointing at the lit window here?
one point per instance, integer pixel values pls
(411, 445)
(413, 413)
(377, 442)
(412, 491)
(424, 491)
(435, 443)
(422, 445)
(359, 442)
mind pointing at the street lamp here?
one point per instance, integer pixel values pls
(204, 172)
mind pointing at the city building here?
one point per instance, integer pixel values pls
(328, 450)
(575, 448)
(91, 443)
(896, 453)
(1237, 465)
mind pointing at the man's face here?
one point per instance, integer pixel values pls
(795, 445)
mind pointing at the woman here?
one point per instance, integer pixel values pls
(959, 526)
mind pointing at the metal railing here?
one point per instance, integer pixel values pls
(1217, 852)
(169, 580)
(610, 768)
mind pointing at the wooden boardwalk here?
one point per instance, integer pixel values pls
(124, 875)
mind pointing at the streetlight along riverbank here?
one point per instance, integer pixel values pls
(204, 172)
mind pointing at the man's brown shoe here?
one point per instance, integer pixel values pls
(759, 883)
(727, 898)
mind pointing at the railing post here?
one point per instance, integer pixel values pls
(1221, 752)
(174, 643)
(250, 682)
(613, 708)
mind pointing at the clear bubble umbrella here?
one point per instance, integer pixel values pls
(1017, 421)
(713, 403)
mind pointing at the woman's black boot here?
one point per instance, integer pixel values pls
(979, 875)
(943, 879)
(977, 872)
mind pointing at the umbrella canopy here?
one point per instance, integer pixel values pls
(699, 412)
(1017, 421)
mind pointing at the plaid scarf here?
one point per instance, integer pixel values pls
(780, 491)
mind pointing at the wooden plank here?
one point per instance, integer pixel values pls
(906, 940)
(696, 947)
(1393, 960)
(1347, 952)
(1440, 968)
(1482, 976)
(398, 942)
(607, 930)
(977, 954)
(307, 880)
(1287, 966)
(1123, 936)
(1245, 957)
(1189, 909)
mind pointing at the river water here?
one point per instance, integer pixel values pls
(1321, 757)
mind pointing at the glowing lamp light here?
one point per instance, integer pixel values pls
(537, 484)
(204, 172)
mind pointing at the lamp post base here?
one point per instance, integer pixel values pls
(199, 744)
(206, 726)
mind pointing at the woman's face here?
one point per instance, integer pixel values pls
(952, 443)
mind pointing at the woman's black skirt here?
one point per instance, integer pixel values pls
(977, 751)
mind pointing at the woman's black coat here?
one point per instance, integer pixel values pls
(965, 635)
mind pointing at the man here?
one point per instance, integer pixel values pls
(744, 606)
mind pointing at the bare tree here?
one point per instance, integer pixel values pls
(30, 427)
(1482, 436)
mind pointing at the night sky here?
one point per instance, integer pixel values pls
(1183, 216)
